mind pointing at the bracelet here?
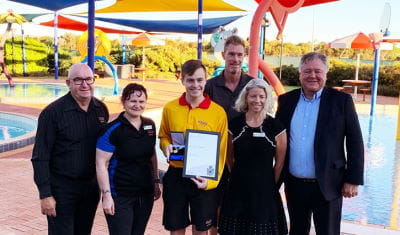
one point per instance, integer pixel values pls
(104, 191)
(157, 181)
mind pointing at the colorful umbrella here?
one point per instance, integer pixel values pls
(145, 39)
(354, 41)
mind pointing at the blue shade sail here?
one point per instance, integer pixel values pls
(173, 26)
(52, 5)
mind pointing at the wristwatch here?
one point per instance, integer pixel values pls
(157, 181)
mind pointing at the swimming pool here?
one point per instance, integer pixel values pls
(379, 199)
(16, 131)
(43, 90)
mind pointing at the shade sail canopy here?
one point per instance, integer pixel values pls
(354, 41)
(173, 26)
(167, 5)
(52, 5)
(68, 23)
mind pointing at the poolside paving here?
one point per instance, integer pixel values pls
(19, 197)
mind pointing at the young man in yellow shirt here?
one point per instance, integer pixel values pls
(193, 110)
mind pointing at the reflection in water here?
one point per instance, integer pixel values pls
(378, 199)
(57, 92)
(370, 126)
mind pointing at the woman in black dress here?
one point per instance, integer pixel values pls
(252, 204)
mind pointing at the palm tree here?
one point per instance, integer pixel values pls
(10, 17)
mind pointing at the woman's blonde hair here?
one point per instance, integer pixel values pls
(241, 104)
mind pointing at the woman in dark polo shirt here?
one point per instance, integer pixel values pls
(126, 165)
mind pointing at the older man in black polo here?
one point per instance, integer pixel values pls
(63, 156)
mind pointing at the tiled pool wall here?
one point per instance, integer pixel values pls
(24, 121)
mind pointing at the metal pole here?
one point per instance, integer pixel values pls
(12, 53)
(280, 60)
(313, 29)
(261, 49)
(262, 42)
(123, 49)
(356, 75)
(55, 45)
(24, 71)
(200, 29)
(91, 35)
(375, 78)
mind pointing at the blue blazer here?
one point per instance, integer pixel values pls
(338, 144)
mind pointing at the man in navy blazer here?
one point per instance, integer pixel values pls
(325, 157)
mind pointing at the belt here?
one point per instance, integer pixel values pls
(304, 180)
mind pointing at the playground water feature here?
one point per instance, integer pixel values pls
(379, 199)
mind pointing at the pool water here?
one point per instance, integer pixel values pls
(8, 132)
(41, 90)
(16, 131)
(379, 199)
(12, 126)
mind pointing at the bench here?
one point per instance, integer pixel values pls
(364, 91)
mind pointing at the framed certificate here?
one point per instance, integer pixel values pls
(201, 154)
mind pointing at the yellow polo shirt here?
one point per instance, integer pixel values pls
(178, 116)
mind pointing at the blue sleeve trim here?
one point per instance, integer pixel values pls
(104, 143)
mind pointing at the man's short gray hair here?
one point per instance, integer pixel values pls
(312, 56)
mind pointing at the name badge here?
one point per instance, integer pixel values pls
(148, 127)
(258, 134)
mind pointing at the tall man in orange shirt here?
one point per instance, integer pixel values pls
(193, 110)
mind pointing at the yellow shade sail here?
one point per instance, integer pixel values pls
(167, 5)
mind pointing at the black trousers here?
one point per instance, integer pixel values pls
(304, 199)
(76, 204)
(131, 215)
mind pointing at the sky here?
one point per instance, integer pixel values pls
(321, 23)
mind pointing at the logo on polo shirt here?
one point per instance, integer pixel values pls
(202, 123)
(102, 119)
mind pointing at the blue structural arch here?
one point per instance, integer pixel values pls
(111, 66)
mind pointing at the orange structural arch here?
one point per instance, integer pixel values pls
(279, 13)
(280, 10)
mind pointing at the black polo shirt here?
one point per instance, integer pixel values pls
(222, 95)
(130, 169)
(65, 141)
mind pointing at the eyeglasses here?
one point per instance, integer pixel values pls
(79, 81)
